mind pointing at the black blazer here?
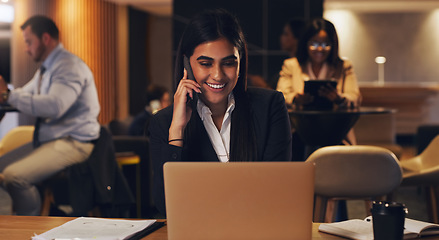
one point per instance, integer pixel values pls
(99, 181)
(272, 129)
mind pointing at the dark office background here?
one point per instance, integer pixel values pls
(262, 22)
(138, 72)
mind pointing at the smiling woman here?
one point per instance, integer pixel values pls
(216, 68)
(228, 122)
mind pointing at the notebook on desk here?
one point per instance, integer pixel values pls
(239, 200)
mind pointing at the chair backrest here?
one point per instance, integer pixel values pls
(424, 135)
(15, 138)
(429, 156)
(120, 127)
(355, 171)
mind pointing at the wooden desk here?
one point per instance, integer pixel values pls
(161, 234)
(24, 227)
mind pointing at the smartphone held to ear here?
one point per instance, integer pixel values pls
(187, 66)
(190, 75)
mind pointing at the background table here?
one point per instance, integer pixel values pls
(328, 127)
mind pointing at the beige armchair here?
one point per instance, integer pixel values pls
(352, 172)
(423, 170)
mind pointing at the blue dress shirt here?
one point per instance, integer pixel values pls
(68, 101)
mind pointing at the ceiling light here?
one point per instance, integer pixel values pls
(6, 13)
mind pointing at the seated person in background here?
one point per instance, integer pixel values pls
(288, 40)
(62, 96)
(318, 58)
(157, 98)
(291, 33)
(228, 122)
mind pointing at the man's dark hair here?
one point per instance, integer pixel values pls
(42, 24)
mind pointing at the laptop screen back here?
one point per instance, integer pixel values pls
(245, 200)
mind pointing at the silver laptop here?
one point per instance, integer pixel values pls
(239, 200)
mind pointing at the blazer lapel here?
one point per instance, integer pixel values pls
(200, 148)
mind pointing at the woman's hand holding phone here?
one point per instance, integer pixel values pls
(303, 99)
(182, 109)
(329, 92)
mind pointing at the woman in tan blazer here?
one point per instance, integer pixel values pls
(318, 59)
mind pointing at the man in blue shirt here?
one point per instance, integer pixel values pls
(62, 96)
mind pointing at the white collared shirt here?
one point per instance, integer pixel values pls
(323, 74)
(219, 139)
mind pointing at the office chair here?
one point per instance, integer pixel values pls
(423, 170)
(132, 151)
(95, 187)
(425, 133)
(352, 172)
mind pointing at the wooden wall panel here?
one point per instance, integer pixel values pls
(88, 29)
(22, 66)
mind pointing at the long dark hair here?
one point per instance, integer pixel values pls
(211, 25)
(313, 28)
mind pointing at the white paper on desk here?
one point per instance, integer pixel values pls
(87, 228)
